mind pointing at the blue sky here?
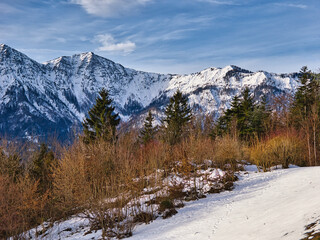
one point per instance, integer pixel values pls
(169, 36)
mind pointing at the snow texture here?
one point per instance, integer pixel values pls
(54, 96)
(263, 206)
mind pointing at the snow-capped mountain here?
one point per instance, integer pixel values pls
(41, 99)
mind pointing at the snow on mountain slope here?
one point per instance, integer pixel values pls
(263, 206)
(52, 97)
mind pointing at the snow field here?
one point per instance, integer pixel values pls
(263, 206)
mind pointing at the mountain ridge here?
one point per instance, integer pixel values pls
(51, 97)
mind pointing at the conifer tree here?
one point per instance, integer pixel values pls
(41, 168)
(261, 118)
(302, 101)
(246, 113)
(305, 111)
(178, 114)
(244, 119)
(148, 131)
(102, 121)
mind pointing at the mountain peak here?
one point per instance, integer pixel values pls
(235, 68)
(52, 97)
(90, 54)
(12, 56)
(4, 48)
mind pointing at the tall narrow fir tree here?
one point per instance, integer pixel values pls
(102, 121)
(148, 131)
(178, 114)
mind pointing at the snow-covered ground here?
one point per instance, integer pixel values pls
(272, 205)
(263, 206)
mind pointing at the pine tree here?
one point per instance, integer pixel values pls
(41, 168)
(261, 118)
(244, 119)
(302, 101)
(247, 107)
(178, 114)
(102, 121)
(305, 111)
(148, 131)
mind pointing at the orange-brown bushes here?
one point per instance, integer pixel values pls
(228, 151)
(100, 177)
(22, 207)
(279, 150)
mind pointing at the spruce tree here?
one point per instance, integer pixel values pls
(302, 101)
(247, 107)
(102, 121)
(261, 118)
(41, 168)
(178, 114)
(244, 119)
(148, 131)
(305, 111)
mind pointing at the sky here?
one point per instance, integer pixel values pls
(169, 36)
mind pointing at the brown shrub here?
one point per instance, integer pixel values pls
(279, 150)
(228, 151)
(22, 207)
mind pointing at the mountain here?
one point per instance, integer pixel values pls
(42, 99)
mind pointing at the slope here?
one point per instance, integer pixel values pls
(40, 99)
(264, 206)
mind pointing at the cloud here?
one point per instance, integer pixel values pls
(109, 8)
(109, 44)
(301, 6)
(220, 2)
(5, 8)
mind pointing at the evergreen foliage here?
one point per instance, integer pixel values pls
(244, 119)
(102, 121)
(148, 131)
(306, 96)
(41, 169)
(177, 115)
(261, 118)
(305, 111)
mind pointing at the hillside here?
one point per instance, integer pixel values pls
(265, 206)
(42, 99)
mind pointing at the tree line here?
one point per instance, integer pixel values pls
(245, 119)
(102, 121)
(53, 181)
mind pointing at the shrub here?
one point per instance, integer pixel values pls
(280, 150)
(165, 204)
(227, 151)
(22, 207)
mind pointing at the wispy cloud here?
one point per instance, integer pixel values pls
(301, 6)
(109, 8)
(165, 29)
(5, 8)
(220, 2)
(109, 44)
